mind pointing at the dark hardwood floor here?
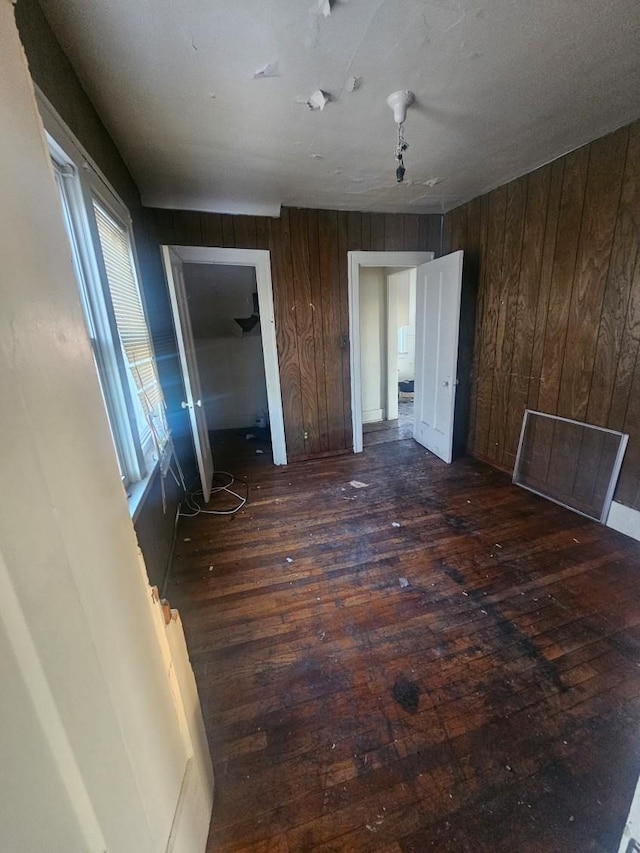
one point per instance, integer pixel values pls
(438, 661)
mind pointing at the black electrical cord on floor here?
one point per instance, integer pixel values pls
(195, 507)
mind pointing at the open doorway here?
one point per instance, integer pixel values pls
(227, 334)
(374, 311)
(175, 258)
(387, 310)
(439, 423)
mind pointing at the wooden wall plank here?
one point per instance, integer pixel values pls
(546, 273)
(458, 238)
(244, 228)
(262, 232)
(188, 228)
(165, 230)
(393, 232)
(619, 335)
(447, 233)
(423, 233)
(492, 286)
(566, 249)
(354, 231)
(482, 205)
(626, 268)
(366, 232)
(629, 484)
(330, 295)
(505, 331)
(565, 272)
(602, 196)
(525, 310)
(434, 234)
(303, 313)
(322, 426)
(411, 232)
(344, 246)
(588, 322)
(228, 231)
(377, 232)
(211, 224)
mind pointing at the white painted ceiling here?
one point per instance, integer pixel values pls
(501, 86)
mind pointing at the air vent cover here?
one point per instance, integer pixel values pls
(569, 462)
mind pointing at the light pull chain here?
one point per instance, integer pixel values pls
(401, 147)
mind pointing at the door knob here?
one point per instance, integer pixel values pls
(199, 403)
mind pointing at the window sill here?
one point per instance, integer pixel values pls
(137, 492)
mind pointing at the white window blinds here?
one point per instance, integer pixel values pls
(132, 329)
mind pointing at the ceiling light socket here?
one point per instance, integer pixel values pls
(400, 102)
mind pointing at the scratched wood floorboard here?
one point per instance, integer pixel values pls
(466, 681)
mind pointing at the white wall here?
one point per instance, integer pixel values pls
(231, 365)
(406, 288)
(92, 748)
(373, 326)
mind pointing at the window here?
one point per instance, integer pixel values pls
(103, 254)
(132, 330)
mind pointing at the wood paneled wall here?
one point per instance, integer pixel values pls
(558, 315)
(309, 268)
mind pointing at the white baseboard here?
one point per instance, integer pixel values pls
(190, 828)
(624, 520)
(373, 416)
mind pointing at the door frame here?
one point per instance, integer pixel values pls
(260, 260)
(355, 261)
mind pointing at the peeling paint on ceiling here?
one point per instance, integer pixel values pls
(207, 118)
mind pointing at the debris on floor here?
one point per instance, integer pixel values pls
(249, 436)
(395, 524)
(357, 484)
(289, 559)
(404, 583)
(259, 451)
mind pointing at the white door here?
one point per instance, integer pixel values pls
(438, 291)
(189, 366)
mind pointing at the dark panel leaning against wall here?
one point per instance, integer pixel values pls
(52, 72)
(309, 268)
(558, 321)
